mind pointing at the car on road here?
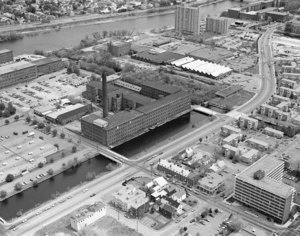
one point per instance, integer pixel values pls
(92, 195)
(192, 221)
(85, 190)
(207, 220)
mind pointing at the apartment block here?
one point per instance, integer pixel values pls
(187, 20)
(288, 92)
(230, 151)
(87, 216)
(267, 110)
(278, 98)
(217, 25)
(288, 83)
(258, 144)
(260, 187)
(180, 172)
(211, 183)
(250, 156)
(6, 55)
(232, 140)
(227, 130)
(284, 106)
(273, 132)
(248, 122)
(292, 76)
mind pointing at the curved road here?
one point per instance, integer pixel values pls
(110, 181)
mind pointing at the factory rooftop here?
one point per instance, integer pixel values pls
(45, 61)
(8, 68)
(89, 211)
(268, 164)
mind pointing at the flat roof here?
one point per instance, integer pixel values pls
(98, 85)
(231, 137)
(45, 61)
(136, 97)
(278, 13)
(218, 54)
(268, 106)
(158, 103)
(5, 51)
(267, 164)
(86, 212)
(159, 86)
(212, 180)
(57, 113)
(229, 127)
(257, 141)
(273, 130)
(250, 153)
(8, 68)
(227, 146)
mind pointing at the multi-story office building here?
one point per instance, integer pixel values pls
(187, 20)
(260, 187)
(87, 216)
(180, 172)
(6, 55)
(19, 72)
(217, 25)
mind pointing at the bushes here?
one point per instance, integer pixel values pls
(9, 178)
(18, 186)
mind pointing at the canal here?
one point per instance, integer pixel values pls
(69, 37)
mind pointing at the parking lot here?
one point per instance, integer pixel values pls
(44, 91)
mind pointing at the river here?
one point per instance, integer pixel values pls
(71, 36)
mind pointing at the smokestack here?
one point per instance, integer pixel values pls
(104, 95)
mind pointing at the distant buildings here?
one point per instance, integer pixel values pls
(23, 71)
(217, 25)
(87, 216)
(119, 48)
(187, 20)
(260, 187)
(131, 200)
(6, 55)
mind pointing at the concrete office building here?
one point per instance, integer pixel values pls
(187, 20)
(217, 25)
(15, 73)
(260, 187)
(135, 113)
(87, 216)
(6, 55)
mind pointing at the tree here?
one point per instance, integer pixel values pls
(40, 165)
(54, 132)
(18, 186)
(28, 119)
(74, 149)
(11, 108)
(51, 160)
(90, 176)
(35, 183)
(41, 125)
(2, 106)
(48, 129)
(6, 122)
(50, 171)
(5, 113)
(16, 117)
(56, 145)
(62, 135)
(35, 122)
(9, 178)
(200, 140)
(3, 194)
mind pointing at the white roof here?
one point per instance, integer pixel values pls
(207, 68)
(161, 181)
(182, 61)
(57, 113)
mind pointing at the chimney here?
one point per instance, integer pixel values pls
(104, 95)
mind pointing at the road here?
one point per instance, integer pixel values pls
(114, 179)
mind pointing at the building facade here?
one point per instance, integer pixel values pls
(217, 25)
(118, 49)
(187, 20)
(87, 216)
(248, 122)
(211, 183)
(265, 193)
(48, 65)
(6, 55)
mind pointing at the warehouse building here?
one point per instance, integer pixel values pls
(260, 187)
(69, 113)
(48, 65)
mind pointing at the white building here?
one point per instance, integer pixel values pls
(88, 216)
